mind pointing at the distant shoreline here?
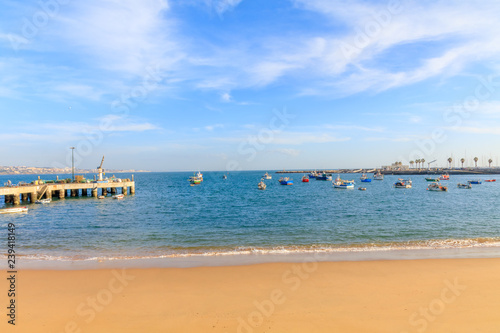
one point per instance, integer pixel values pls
(65, 172)
(492, 171)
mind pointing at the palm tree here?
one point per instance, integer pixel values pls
(462, 160)
(449, 161)
(418, 163)
(475, 160)
(489, 162)
(423, 161)
(411, 163)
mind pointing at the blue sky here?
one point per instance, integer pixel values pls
(248, 84)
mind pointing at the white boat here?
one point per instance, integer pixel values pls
(343, 184)
(262, 185)
(467, 186)
(14, 210)
(402, 183)
(267, 176)
(43, 201)
(101, 197)
(118, 196)
(378, 176)
(437, 187)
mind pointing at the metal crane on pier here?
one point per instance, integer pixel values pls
(100, 170)
(428, 164)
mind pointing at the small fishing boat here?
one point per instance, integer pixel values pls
(378, 176)
(437, 187)
(195, 180)
(43, 201)
(199, 175)
(101, 197)
(432, 179)
(364, 178)
(313, 174)
(262, 185)
(118, 196)
(14, 210)
(444, 177)
(468, 186)
(324, 176)
(475, 182)
(343, 184)
(402, 183)
(267, 176)
(305, 179)
(362, 188)
(286, 181)
(224, 177)
(490, 180)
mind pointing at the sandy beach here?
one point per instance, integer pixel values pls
(439, 295)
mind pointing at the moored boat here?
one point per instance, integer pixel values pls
(474, 182)
(199, 175)
(490, 180)
(267, 176)
(432, 179)
(101, 197)
(313, 174)
(224, 177)
(305, 179)
(437, 187)
(403, 183)
(285, 181)
(14, 210)
(362, 188)
(324, 176)
(342, 183)
(118, 196)
(378, 176)
(262, 185)
(468, 186)
(364, 178)
(444, 177)
(43, 201)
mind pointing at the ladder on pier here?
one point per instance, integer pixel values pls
(42, 191)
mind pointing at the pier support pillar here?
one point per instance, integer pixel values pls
(85, 193)
(48, 194)
(132, 189)
(104, 191)
(16, 200)
(8, 199)
(24, 197)
(124, 190)
(94, 192)
(62, 194)
(113, 190)
(74, 193)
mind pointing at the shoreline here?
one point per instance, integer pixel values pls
(223, 260)
(431, 295)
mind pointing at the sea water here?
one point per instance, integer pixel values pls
(168, 218)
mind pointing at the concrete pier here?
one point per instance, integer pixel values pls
(16, 194)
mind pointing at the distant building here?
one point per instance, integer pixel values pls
(397, 166)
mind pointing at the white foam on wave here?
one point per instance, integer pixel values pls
(278, 250)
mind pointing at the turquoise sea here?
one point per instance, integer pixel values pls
(168, 218)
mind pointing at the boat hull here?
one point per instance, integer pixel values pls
(368, 180)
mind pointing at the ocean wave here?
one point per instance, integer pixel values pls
(272, 250)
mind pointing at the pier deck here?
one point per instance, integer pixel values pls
(17, 194)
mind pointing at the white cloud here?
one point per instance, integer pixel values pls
(212, 127)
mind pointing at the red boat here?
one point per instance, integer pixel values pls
(305, 179)
(490, 180)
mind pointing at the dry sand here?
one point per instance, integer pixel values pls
(441, 295)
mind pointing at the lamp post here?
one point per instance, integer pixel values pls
(72, 163)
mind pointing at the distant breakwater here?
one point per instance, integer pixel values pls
(489, 171)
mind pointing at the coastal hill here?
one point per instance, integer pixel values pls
(24, 170)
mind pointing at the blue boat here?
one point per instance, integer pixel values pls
(324, 176)
(476, 182)
(286, 181)
(364, 178)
